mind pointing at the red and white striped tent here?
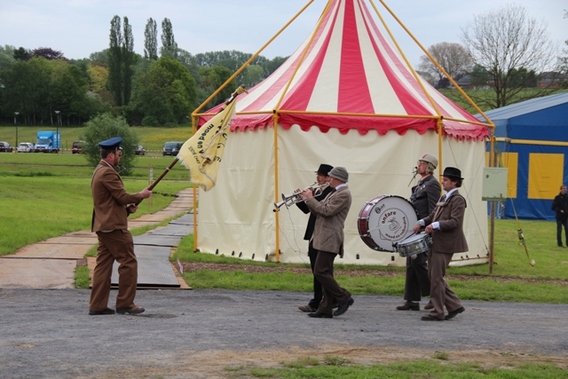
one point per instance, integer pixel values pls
(346, 97)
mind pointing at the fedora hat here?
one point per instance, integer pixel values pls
(324, 169)
(452, 173)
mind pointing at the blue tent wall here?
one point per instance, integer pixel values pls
(523, 125)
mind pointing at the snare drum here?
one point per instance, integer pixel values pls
(386, 220)
(415, 244)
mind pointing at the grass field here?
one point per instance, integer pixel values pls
(151, 138)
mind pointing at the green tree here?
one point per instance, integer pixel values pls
(128, 60)
(115, 61)
(164, 94)
(106, 126)
(211, 79)
(169, 45)
(151, 40)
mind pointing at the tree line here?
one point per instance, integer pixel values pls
(504, 51)
(161, 88)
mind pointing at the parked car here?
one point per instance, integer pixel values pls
(140, 150)
(25, 147)
(6, 147)
(171, 148)
(77, 147)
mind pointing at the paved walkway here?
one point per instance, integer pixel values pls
(51, 263)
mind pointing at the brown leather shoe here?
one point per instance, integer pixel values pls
(429, 306)
(408, 306)
(306, 308)
(133, 310)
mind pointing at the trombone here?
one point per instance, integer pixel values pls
(295, 197)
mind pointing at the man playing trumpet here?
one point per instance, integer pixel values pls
(321, 179)
(328, 240)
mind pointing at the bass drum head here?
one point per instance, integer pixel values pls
(385, 220)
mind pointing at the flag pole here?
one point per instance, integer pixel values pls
(234, 95)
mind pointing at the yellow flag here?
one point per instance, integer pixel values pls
(202, 153)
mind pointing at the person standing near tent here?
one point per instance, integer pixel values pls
(111, 207)
(425, 195)
(560, 206)
(328, 240)
(445, 223)
(321, 179)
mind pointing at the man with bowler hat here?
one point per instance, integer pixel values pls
(321, 179)
(111, 207)
(445, 223)
(328, 240)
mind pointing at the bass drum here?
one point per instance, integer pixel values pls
(386, 220)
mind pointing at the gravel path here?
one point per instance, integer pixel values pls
(199, 333)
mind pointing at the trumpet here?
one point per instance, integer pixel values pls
(295, 197)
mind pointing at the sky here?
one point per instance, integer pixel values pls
(78, 28)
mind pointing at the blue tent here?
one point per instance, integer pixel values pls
(532, 142)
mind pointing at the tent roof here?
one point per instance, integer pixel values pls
(531, 115)
(346, 75)
(526, 107)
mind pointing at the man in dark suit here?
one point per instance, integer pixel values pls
(425, 195)
(111, 207)
(560, 206)
(445, 224)
(328, 240)
(321, 179)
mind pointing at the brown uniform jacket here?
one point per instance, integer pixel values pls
(110, 199)
(449, 238)
(330, 220)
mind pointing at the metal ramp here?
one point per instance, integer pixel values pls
(153, 251)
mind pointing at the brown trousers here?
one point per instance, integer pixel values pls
(440, 293)
(117, 245)
(323, 272)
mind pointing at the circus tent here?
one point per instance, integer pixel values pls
(348, 98)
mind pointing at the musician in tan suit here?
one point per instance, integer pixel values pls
(111, 207)
(445, 223)
(328, 240)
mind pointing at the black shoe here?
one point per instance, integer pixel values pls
(106, 311)
(344, 307)
(408, 306)
(453, 314)
(431, 318)
(320, 315)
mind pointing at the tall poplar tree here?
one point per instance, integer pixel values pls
(115, 60)
(169, 45)
(151, 40)
(128, 60)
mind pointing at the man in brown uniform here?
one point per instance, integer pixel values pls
(112, 205)
(446, 225)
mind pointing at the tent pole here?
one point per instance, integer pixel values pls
(492, 163)
(276, 186)
(195, 221)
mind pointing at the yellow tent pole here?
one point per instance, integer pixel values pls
(195, 189)
(253, 57)
(276, 186)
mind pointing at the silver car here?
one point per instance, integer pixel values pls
(25, 147)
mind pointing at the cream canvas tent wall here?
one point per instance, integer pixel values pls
(346, 97)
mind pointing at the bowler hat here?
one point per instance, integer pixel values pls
(111, 143)
(452, 173)
(324, 169)
(339, 173)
